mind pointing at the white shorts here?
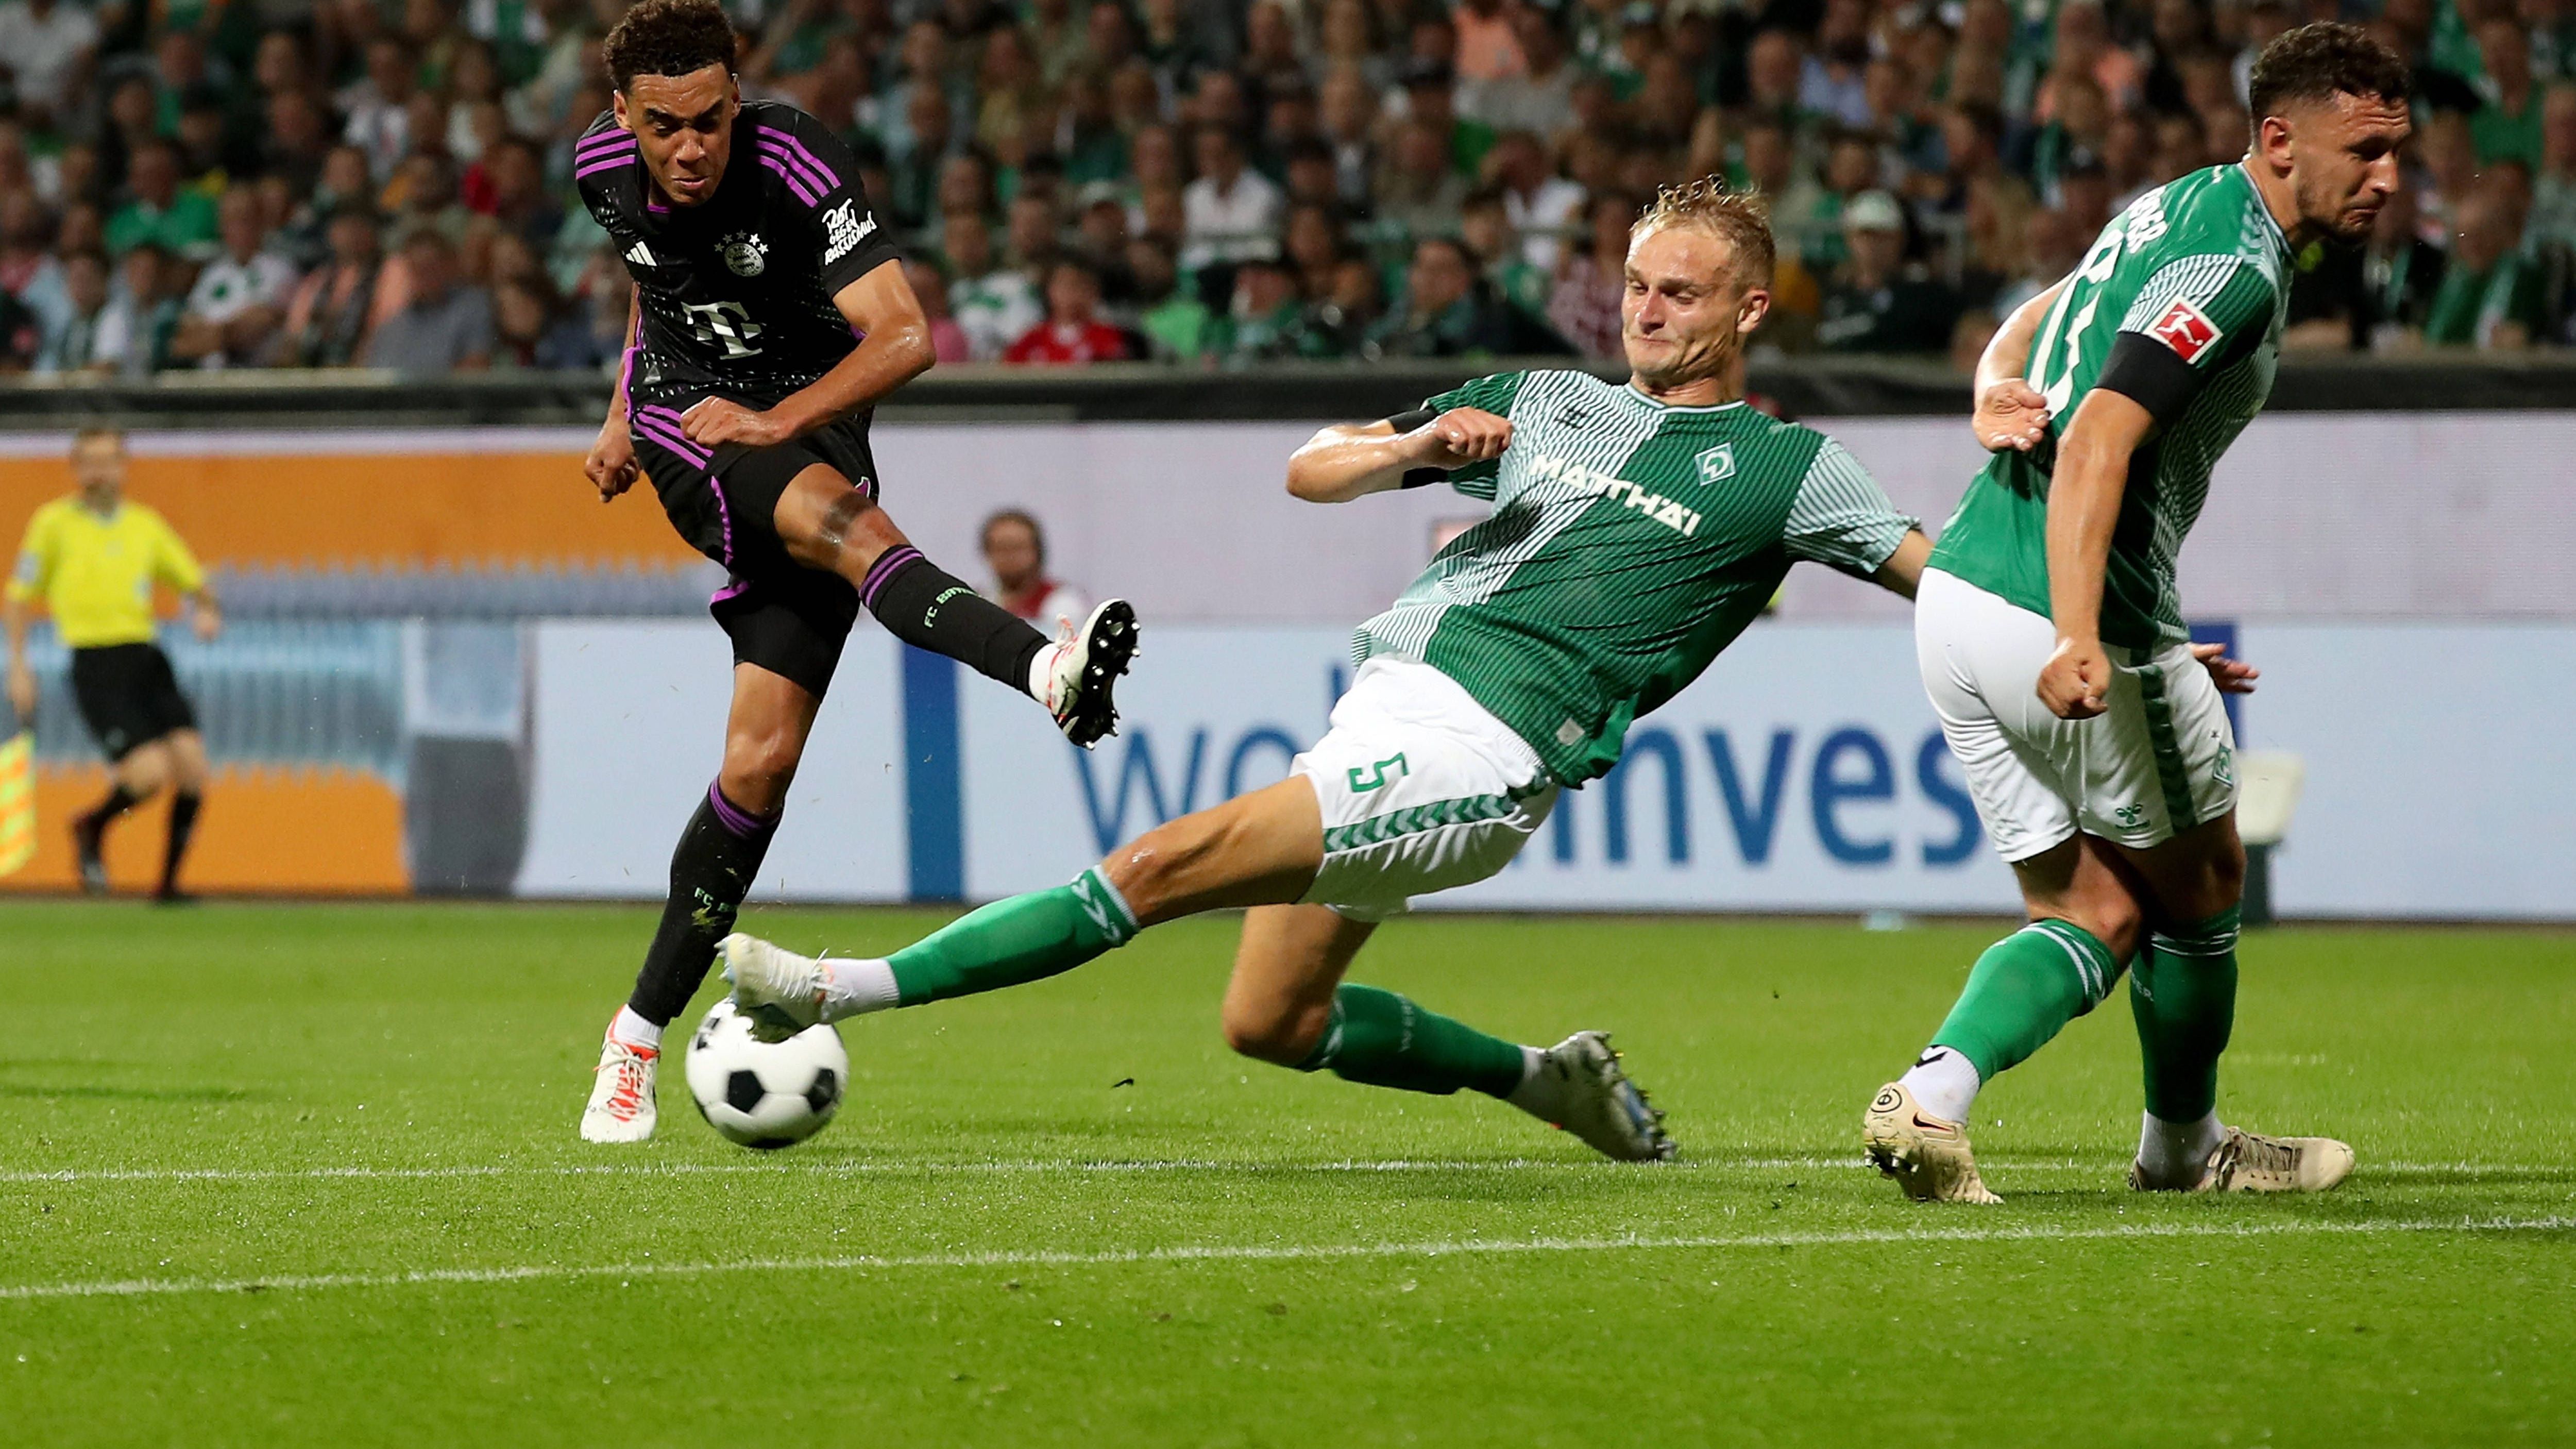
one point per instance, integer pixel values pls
(2157, 761)
(1421, 789)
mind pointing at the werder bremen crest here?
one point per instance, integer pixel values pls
(745, 254)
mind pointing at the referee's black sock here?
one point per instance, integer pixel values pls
(118, 801)
(927, 608)
(711, 871)
(183, 823)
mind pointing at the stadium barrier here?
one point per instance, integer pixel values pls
(451, 670)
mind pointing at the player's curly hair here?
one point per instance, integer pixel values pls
(1741, 219)
(668, 37)
(2321, 61)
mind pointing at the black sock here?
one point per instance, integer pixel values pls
(118, 801)
(183, 823)
(927, 609)
(711, 872)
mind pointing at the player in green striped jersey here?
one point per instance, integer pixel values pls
(2092, 734)
(1637, 529)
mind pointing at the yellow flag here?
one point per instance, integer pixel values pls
(17, 801)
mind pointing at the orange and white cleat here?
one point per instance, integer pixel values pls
(621, 1094)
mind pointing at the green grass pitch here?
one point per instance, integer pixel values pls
(303, 1174)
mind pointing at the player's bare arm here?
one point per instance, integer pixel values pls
(611, 465)
(894, 348)
(1352, 460)
(2009, 412)
(205, 613)
(1903, 570)
(2083, 506)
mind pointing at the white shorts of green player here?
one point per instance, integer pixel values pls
(2159, 760)
(1421, 790)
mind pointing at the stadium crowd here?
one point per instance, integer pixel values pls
(387, 183)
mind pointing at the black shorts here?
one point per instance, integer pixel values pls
(128, 696)
(781, 615)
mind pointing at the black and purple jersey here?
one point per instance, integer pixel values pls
(737, 290)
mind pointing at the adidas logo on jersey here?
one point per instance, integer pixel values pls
(1549, 468)
(641, 255)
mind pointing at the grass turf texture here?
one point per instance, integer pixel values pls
(1002, 1241)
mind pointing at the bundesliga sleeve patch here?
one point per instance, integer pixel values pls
(2185, 329)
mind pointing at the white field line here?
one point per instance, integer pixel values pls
(1247, 1252)
(832, 1168)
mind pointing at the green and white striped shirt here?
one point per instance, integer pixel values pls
(2199, 266)
(1630, 542)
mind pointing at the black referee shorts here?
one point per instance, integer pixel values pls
(128, 696)
(782, 616)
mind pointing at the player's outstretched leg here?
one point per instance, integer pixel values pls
(1288, 1004)
(2020, 994)
(712, 869)
(828, 524)
(2182, 993)
(187, 794)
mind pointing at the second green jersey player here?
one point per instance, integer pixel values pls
(1636, 530)
(2092, 735)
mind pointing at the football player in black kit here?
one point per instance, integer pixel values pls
(770, 316)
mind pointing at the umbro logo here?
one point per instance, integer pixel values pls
(641, 255)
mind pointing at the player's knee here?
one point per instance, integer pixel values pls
(1266, 1035)
(758, 768)
(2113, 918)
(145, 771)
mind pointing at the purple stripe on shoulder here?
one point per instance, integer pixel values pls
(810, 158)
(733, 589)
(609, 164)
(893, 561)
(795, 183)
(605, 140)
(814, 175)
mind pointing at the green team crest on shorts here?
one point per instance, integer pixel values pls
(1630, 542)
(2200, 267)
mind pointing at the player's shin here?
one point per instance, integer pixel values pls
(1008, 943)
(184, 805)
(924, 606)
(2022, 992)
(2183, 995)
(711, 871)
(1382, 1039)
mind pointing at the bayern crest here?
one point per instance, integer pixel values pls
(744, 253)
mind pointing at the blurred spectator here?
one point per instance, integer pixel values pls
(47, 47)
(1073, 331)
(1584, 308)
(1264, 320)
(2490, 297)
(1542, 206)
(1339, 324)
(378, 106)
(1430, 97)
(1231, 212)
(947, 339)
(2553, 185)
(1539, 97)
(1485, 224)
(239, 301)
(1015, 550)
(71, 340)
(1175, 322)
(1447, 310)
(332, 315)
(132, 338)
(994, 305)
(179, 221)
(2507, 124)
(1419, 194)
(2055, 246)
(1313, 243)
(1874, 302)
(445, 326)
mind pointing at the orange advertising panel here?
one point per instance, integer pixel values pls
(373, 506)
(267, 830)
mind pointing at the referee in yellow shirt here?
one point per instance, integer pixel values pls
(92, 559)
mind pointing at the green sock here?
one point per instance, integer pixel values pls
(2026, 988)
(1025, 938)
(1379, 1038)
(2184, 997)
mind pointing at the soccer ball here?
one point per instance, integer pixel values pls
(762, 1094)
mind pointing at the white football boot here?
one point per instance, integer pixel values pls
(778, 991)
(1927, 1156)
(1580, 1087)
(2250, 1162)
(621, 1094)
(1076, 676)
